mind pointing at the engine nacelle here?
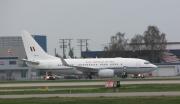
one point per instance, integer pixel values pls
(106, 73)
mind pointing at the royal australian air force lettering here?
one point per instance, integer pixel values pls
(101, 64)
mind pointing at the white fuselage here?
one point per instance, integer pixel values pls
(131, 65)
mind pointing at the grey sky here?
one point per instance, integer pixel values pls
(93, 19)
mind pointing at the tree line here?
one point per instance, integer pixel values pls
(150, 45)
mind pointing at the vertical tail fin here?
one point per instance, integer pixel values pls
(32, 48)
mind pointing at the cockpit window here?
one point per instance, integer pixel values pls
(146, 62)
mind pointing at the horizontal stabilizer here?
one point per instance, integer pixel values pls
(30, 62)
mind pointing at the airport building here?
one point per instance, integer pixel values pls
(11, 53)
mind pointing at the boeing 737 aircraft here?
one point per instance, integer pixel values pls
(37, 58)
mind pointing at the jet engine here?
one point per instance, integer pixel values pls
(106, 73)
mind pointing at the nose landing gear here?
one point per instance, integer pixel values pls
(49, 76)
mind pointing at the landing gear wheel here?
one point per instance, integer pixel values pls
(124, 73)
(90, 76)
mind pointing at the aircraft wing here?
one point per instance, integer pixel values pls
(82, 69)
(85, 69)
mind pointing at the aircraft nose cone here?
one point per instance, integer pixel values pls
(154, 66)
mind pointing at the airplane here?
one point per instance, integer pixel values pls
(37, 58)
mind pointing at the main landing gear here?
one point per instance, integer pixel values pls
(124, 73)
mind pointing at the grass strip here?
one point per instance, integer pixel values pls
(97, 100)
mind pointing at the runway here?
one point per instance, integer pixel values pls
(128, 94)
(86, 83)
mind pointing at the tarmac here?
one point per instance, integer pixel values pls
(128, 94)
(86, 83)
